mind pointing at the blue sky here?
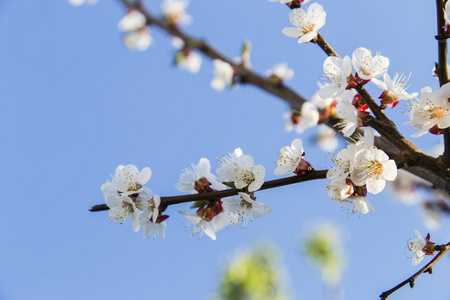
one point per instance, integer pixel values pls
(76, 103)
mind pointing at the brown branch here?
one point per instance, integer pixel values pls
(427, 269)
(245, 75)
(441, 66)
(389, 144)
(171, 200)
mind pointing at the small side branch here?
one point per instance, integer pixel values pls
(427, 269)
(245, 75)
(441, 67)
(323, 44)
(166, 201)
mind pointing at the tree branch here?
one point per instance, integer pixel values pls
(389, 144)
(171, 200)
(246, 75)
(427, 269)
(441, 67)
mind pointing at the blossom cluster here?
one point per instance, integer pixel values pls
(125, 196)
(360, 168)
(238, 171)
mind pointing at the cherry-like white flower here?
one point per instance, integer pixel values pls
(154, 229)
(127, 180)
(345, 162)
(339, 189)
(336, 71)
(150, 220)
(368, 66)
(420, 247)
(240, 168)
(348, 113)
(432, 110)
(80, 2)
(319, 101)
(246, 208)
(289, 158)
(186, 59)
(188, 180)
(189, 60)
(372, 168)
(326, 138)
(132, 21)
(447, 12)
(306, 23)
(394, 89)
(223, 75)
(120, 207)
(309, 117)
(138, 40)
(361, 205)
(175, 12)
(280, 72)
(209, 227)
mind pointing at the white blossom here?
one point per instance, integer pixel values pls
(433, 109)
(306, 23)
(309, 117)
(209, 227)
(336, 71)
(417, 246)
(186, 181)
(447, 12)
(127, 180)
(223, 75)
(367, 66)
(345, 161)
(281, 71)
(348, 113)
(319, 101)
(394, 89)
(289, 157)
(120, 207)
(175, 12)
(246, 208)
(339, 189)
(138, 40)
(361, 205)
(372, 168)
(132, 21)
(326, 138)
(240, 168)
(149, 220)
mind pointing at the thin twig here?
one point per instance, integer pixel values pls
(427, 269)
(441, 68)
(388, 143)
(379, 114)
(171, 200)
(245, 75)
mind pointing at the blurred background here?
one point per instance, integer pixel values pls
(76, 103)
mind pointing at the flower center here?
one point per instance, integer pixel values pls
(247, 177)
(435, 112)
(308, 28)
(374, 168)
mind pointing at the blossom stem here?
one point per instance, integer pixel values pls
(295, 100)
(441, 67)
(323, 44)
(443, 249)
(245, 75)
(171, 200)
